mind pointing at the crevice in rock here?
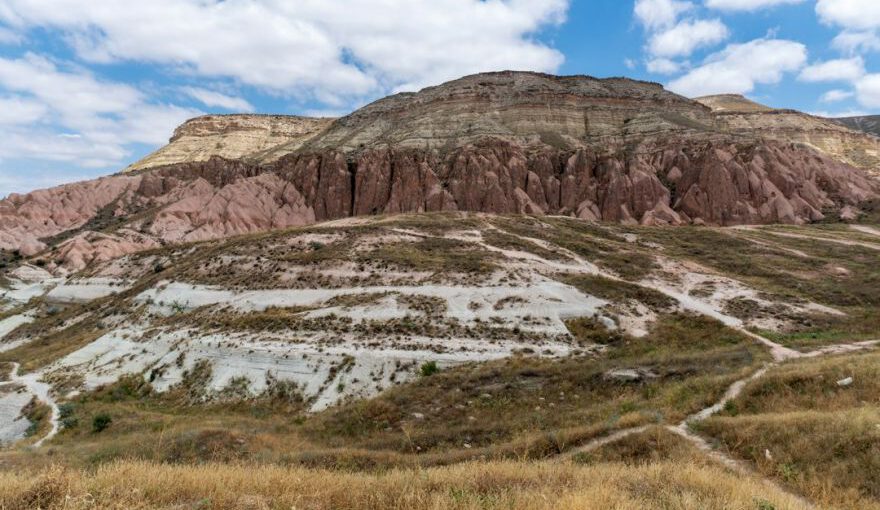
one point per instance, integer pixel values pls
(352, 176)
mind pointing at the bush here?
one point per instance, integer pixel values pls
(429, 368)
(101, 422)
(66, 415)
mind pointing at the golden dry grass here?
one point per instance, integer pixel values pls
(508, 485)
(800, 427)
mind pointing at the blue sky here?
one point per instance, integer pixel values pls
(88, 87)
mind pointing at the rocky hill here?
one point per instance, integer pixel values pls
(840, 141)
(258, 138)
(869, 124)
(613, 150)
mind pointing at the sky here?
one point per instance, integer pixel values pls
(88, 87)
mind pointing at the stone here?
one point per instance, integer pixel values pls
(629, 375)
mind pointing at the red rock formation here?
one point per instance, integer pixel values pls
(621, 151)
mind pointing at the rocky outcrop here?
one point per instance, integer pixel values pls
(867, 124)
(259, 138)
(738, 115)
(607, 150)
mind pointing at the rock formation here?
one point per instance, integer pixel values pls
(869, 124)
(842, 142)
(254, 137)
(610, 150)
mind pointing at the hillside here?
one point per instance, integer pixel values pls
(512, 290)
(613, 150)
(415, 342)
(869, 124)
(842, 142)
(258, 138)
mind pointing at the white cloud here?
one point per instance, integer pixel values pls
(351, 47)
(839, 114)
(856, 42)
(747, 5)
(657, 14)
(834, 70)
(739, 67)
(663, 66)
(868, 91)
(16, 110)
(687, 36)
(836, 95)
(212, 98)
(851, 14)
(82, 120)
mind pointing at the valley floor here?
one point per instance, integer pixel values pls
(451, 361)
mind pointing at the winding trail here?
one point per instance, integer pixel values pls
(866, 229)
(41, 391)
(778, 352)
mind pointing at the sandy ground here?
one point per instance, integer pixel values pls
(546, 298)
(8, 325)
(86, 289)
(260, 359)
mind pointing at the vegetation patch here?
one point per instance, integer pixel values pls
(473, 486)
(616, 291)
(832, 457)
(656, 444)
(435, 255)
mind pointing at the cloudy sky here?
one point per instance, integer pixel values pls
(87, 87)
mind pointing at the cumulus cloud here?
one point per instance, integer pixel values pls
(217, 99)
(836, 95)
(663, 66)
(657, 14)
(834, 70)
(868, 91)
(353, 48)
(672, 38)
(747, 5)
(82, 120)
(851, 14)
(740, 67)
(852, 42)
(687, 36)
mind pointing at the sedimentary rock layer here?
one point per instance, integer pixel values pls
(610, 150)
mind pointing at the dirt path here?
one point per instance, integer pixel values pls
(866, 229)
(40, 391)
(779, 353)
(844, 242)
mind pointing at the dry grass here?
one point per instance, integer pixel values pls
(833, 457)
(508, 486)
(656, 444)
(813, 385)
(822, 438)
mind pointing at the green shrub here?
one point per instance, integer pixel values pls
(101, 422)
(66, 415)
(429, 368)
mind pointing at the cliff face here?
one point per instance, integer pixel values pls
(252, 137)
(611, 150)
